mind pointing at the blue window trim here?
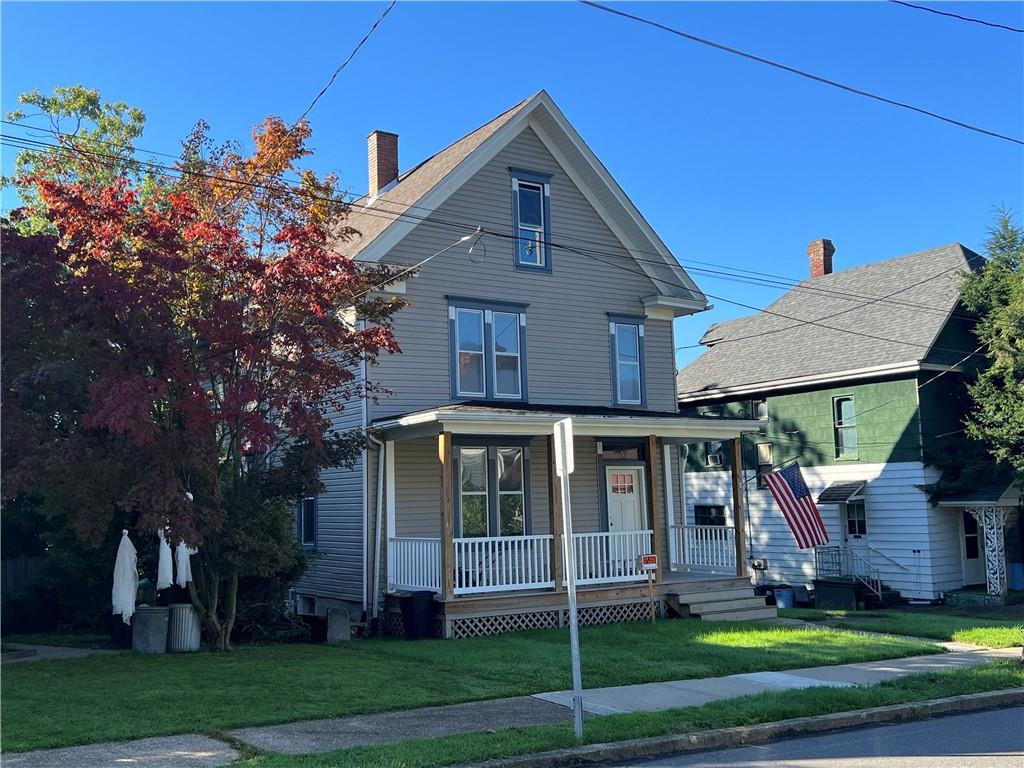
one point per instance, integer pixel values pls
(299, 526)
(459, 302)
(534, 177)
(637, 320)
(493, 507)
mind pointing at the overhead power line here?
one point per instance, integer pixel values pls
(972, 20)
(800, 72)
(711, 269)
(177, 173)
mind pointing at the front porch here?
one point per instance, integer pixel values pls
(492, 544)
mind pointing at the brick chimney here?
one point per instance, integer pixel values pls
(820, 253)
(382, 154)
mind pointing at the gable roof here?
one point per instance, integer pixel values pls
(383, 221)
(873, 328)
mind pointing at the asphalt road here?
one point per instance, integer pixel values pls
(993, 739)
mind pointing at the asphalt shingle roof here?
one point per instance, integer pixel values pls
(874, 316)
(369, 218)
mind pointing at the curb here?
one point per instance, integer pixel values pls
(720, 738)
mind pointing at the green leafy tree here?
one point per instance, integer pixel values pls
(996, 294)
(95, 140)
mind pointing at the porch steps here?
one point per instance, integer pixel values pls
(726, 600)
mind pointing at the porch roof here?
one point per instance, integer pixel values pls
(527, 419)
(997, 492)
(841, 491)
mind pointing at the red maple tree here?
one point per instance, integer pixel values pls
(180, 344)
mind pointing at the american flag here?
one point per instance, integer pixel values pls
(790, 491)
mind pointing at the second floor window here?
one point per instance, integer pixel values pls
(845, 427)
(488, 343)
(627, 342)
(531, 217)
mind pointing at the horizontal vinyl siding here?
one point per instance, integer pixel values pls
(568, 355)
(417, 488)
(336, 568)
(899, 521)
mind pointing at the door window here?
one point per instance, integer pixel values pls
(856, 519)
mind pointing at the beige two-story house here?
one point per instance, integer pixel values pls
(564, 307)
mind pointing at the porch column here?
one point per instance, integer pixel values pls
(555, 508)
(657, 521)
(992, 520)
(738, 512)
(444, 454)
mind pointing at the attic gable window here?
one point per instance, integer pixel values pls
(531, 219)
(488, 350)
(845, 427)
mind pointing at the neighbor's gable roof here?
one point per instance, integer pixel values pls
(383, 221)
(873, 330)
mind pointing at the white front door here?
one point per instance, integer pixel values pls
(625, 491)
(973, 549)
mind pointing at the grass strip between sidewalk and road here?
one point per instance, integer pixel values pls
(748, 710)
(128, 696)
(962, 626)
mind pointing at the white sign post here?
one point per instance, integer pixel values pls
(564, 466)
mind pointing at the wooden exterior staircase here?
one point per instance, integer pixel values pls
(719, 600)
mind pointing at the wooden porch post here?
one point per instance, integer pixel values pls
(652, 500)
(739, 513)
(444, 454)
(555, 505)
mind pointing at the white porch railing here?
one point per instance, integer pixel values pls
(498, 563)
(711, 547)
(602, 558)
(414, 563)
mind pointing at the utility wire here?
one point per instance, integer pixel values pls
(334, 76)
(734, 274)
(579, 251)
(956, 16)
(800, 72)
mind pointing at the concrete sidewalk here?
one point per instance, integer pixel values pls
(651, 697)
(48, 652)
(312, 736)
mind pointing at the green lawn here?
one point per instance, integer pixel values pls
(748, 710)
(123, 696)
(991, 628)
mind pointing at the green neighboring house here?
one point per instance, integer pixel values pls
(854, 374)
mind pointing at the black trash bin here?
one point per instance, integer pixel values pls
(417, 614)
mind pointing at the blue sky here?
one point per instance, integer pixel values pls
(731, 161)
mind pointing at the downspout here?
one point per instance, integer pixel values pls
(375, 604)
(366, 455)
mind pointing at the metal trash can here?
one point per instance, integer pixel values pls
(184, 630)
(417, 614)
(149, 629)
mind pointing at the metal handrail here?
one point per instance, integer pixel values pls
(845, 561)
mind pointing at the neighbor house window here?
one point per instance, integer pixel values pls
(306, 521)
(765, 462)
(488, 346)
(845, 421)
(531, 214)
(627, 347)
(856, 519)
(759, 409)
(708, 514)
(493, 491)
(713, 453)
